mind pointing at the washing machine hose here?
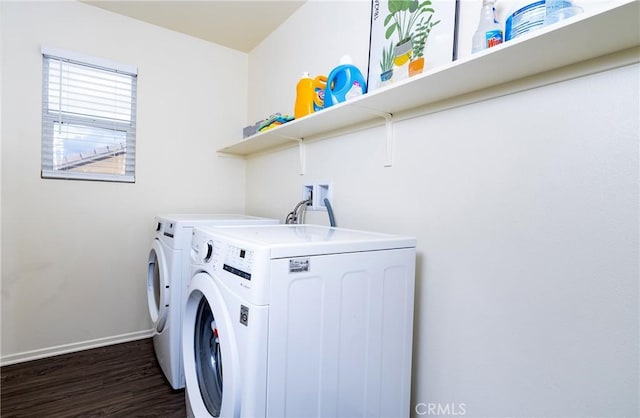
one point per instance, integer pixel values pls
(332, 220)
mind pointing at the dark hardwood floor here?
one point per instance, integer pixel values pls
(122, 380)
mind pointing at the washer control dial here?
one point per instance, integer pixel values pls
(207, 251)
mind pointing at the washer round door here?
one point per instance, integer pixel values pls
(158, 286)
(211, 360)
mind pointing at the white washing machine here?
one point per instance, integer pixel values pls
(299, 321)
(169, 271)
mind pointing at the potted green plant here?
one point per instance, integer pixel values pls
(386, 64)
(419, 41)
(403, 14)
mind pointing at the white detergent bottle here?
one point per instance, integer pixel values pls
(489, 32)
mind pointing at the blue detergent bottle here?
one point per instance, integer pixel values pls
(343, 82)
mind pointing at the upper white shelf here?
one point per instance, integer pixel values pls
(584, 37)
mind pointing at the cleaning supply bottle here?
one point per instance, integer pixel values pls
(344, 82)
(557, 10)
(304, 96)
(522, 16)
(309, 95)
(319, 87)
(489, 32)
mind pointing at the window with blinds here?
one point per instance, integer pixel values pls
(88, 118)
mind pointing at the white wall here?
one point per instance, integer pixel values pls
(526, 212)
(74, 252)
(527, 274)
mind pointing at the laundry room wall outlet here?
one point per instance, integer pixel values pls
(324, 190)
(307, 194)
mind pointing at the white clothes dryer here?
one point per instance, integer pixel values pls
(169, 271)
(298, 320)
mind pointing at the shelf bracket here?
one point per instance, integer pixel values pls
(302, 153)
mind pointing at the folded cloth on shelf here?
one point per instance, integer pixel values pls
(273, 121)
(247, 131)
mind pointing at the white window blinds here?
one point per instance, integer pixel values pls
(88, 118)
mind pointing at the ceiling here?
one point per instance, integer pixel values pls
(237, 24)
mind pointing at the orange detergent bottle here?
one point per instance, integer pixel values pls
(309, 95)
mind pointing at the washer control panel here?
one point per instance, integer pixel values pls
(239, 261)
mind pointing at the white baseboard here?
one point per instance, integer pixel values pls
(73, 347)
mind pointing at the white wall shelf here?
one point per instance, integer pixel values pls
(582, 38)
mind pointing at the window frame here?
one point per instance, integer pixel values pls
(51, 119)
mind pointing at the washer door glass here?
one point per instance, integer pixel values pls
(157, 286)
(208, 358)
